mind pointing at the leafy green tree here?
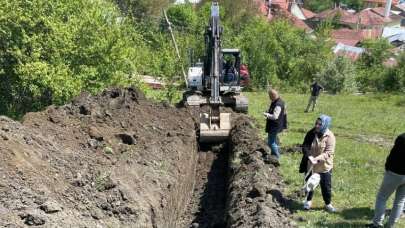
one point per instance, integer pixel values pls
(339, 75)
(143, 9)
(370, 66)
(52, 50)
(377, 52)
(280, 54)
(183, 16)
(394, 77)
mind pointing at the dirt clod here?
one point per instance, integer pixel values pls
(32, 218)
(80, 165)
(50, 207)
(118, 160)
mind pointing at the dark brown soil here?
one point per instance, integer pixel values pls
(207, 207)
(255, 196)
(112, 160)
(119, 160)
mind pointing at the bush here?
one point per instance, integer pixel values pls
(338, 76)
(278, 53)
(52, 50)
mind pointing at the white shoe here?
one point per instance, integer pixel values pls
(307, 205)
(330, 208)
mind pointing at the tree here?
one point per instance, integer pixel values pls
(52, 50)
(143, 9)
(394, 77)
(338, 76)
(280, 54)
(370, 66)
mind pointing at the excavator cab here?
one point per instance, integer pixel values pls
(230, 68)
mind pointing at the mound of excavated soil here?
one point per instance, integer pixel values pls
(112, 160)
(119, 160)
(255, 189)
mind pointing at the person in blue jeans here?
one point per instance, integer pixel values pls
(394, 181)
(275, 121)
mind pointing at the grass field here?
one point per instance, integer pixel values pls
(365, 127)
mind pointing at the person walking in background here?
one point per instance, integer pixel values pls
(275, 120)
(394, 181)
(315, 90)
(320, 159)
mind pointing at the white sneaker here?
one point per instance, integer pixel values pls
(330, 208)
(307, 205)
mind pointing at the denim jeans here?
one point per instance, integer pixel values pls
(391, 182)
(272, 142)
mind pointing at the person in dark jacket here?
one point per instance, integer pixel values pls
(315, 90)
(394, 181)
(306, 148)
(275, 121)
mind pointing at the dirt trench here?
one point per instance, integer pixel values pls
(238, 183)
(119, 160)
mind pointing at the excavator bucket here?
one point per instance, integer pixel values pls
(214, 130)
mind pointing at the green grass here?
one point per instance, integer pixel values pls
(365, 127)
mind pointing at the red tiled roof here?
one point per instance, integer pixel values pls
(262, 7)
(349, 19)
(369, 17)
(347, 36)
(331, 13)
(351, 55)
(371, 33)
(296, 21)
(379, 10)
(352, 37)
(381, 1)
(281, 3)
(308, 13)
(282, 9)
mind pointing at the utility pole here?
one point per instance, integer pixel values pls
(387, 8)
(169, 25)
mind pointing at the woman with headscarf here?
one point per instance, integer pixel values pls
(394, 181)
(320, 159)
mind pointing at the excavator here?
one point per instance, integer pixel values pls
(215, 83)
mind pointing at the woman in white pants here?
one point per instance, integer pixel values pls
(394, 181)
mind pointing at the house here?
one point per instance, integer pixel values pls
(348, 51)
(395, 35)
(353, 37)
(152, 82)
(343, 17)
(347, 36)
(392, 19)
(400, 8)
(377, 3)
(369, 18)
(290, 10)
